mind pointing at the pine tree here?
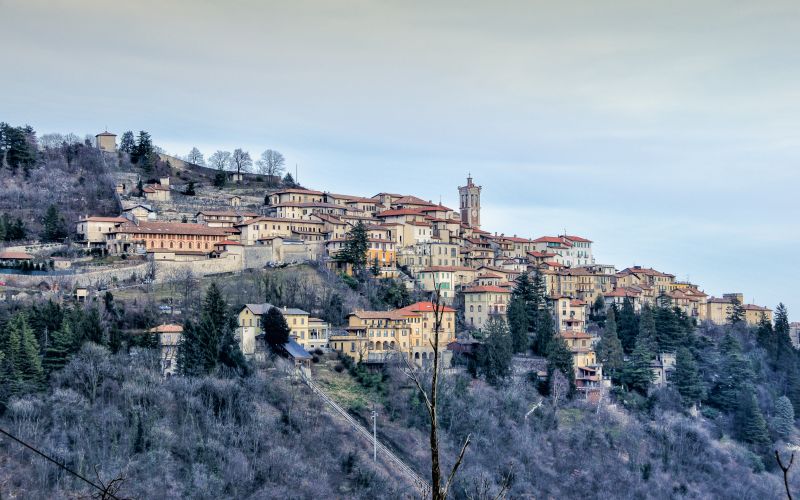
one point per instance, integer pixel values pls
(609, 349)
(765, 336)
(627, 325)
(748, 421)
(127, 143)
(190, 191)
(53, 228)
(737, 313)
(784, 351)
(783, 421)
(276, 330)
(669, 334)
(355, 249)
(686, 378)
(288, 181)
(58, 351)
(143, 153)
(559, 358)
(23, 351)
(733, 373)
(494, 359)
(91, 327)
(637, 374)
(189, 358)
(230, 353)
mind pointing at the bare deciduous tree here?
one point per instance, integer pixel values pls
(241, 161)
(271, 163)
(196, 157)
(220, 160)
(438, 490)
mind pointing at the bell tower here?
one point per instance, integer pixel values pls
(470, 196)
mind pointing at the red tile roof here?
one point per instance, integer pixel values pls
(424, 307)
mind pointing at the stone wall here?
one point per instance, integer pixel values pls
(87, 279)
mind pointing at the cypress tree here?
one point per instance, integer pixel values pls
(783, 422)
(545, 331)
(627, 325)
(686, 378)
(521, 313)
(609, 349)
(647, 329)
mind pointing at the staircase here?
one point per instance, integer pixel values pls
(393, 460)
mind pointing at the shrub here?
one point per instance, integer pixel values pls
(339, 368)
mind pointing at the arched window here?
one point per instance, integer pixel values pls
(170, 244)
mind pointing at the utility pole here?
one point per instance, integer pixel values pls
(374, 435)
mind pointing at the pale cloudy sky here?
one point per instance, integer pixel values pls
(666, 133)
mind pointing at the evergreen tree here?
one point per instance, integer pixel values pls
(143, 153)
(127, 143)
(748, 421)
(784, 351)
(597, 313)
(686, 378)
(545, 331)
(494, 358)
(230, 353)
(190, 358)
(609, 349)
(189, 191)
(627, 325)
(288, 181)
(276, 330)
(737, 313)
(669, 334)
(559, 358)
(59, 350)
(637, 373)
(647, 329)
(783, 421)
(733, 373)
(520, 313)
(53, 226)
(765, 336)
(375, 270)
(23, 351)
(355, 249)
(91, 327)
(793, 385)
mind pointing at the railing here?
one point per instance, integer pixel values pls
(418, 480)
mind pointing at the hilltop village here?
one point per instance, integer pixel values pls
(164, 228)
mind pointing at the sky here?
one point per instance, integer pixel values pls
(668, 133)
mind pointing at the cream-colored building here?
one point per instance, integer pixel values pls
(249, 326)
(483, 302)
(106, 141)
(94, 230)
(570, 314)
(446, 278)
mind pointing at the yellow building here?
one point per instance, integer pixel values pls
(719, 310)
(106, 141)
(249, 325)
(372, 336)
(570, 314)
(482, 302)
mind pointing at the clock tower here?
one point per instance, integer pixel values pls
(470, 203)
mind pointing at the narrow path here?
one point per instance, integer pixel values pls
(422, 485)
